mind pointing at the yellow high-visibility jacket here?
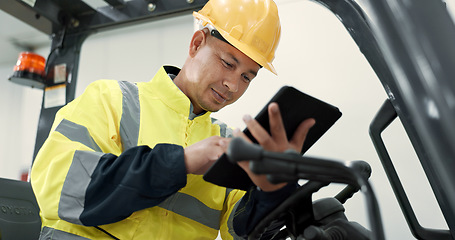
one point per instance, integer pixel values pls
(96, 175)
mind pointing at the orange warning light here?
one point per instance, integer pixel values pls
(29, 70)
(30, 62)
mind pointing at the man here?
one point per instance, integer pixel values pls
(124, 160)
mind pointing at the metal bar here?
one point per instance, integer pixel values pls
(381, 121)
(51, 11)
(115, 3)
(27, 14)
(417, 40)
(75, 8)
(50, 16)
(134, 12)
(415, 97)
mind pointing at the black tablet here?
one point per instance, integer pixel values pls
(295, 106)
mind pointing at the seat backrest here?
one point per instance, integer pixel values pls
(19, 211)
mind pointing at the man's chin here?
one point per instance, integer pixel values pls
(213, 109)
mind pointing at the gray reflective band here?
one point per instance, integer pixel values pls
(228, 190)
(230, 222)
(79, 174)
(190, 207)
(225, 131)
(129, 124)
(76, 182)
(77, 133)
(48, 233)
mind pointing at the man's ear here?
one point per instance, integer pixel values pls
(199, 38)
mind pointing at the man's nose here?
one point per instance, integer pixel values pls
(232, 83)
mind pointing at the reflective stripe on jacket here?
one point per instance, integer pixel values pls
(105, 144)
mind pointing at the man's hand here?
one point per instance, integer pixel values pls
(277, 141)
(203, 154)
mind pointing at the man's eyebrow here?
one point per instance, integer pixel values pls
(237, 61)
(233, 58)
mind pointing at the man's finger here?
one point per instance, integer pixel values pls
(276, 123)
(301, 132)
(258, 132)
(238, 133)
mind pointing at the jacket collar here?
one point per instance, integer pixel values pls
(170, 94)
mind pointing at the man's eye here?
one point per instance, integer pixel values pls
(246, 78)
(226, 64)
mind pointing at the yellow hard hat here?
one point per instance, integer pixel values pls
(252, 26)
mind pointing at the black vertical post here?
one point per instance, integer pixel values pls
(66, 49)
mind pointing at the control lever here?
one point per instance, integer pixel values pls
(364, 169)
(314, 169)
(289, 164)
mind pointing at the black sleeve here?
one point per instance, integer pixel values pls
(139, 178)
(255, 205)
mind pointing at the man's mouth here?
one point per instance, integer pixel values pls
(219, 97)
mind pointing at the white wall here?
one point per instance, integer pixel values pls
(316, 55)
(20, 108)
